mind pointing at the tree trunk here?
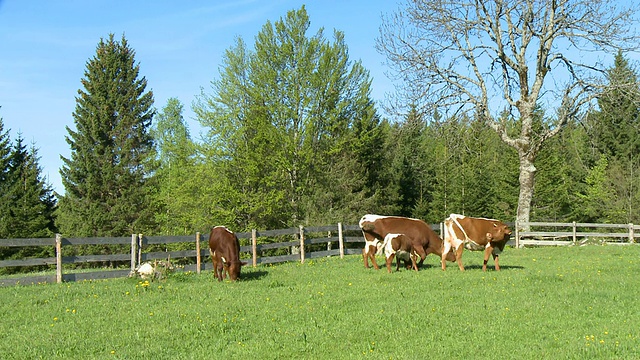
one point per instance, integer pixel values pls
(527, 174)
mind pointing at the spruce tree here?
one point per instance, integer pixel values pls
(28, 203)
(106, 176)
(31, 198)
(5, 203)
(614, 132)
(615, 126)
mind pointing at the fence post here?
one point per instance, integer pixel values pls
(254, 247)
(632, 235)
(517, 234)
(134, 242)
(58, 258)
(301, 244)
(198, 260)
(340, 241)
(139, 248)
(575, 239)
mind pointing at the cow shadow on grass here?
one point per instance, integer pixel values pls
(490, 267)
(454, 266)
(253, 275)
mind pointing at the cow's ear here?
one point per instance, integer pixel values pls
(489, 236)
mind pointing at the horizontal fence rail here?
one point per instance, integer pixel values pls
(557, 234)
(306, 243)
(262, 247)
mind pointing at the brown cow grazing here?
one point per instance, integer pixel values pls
(376, 227)
(475, 234)
(224, 248)
(403, 248)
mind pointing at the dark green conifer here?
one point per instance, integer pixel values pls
(111, 150)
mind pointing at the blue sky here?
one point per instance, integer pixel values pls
(44, 47)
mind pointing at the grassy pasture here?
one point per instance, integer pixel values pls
(546, 303)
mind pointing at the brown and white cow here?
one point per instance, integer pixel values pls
(376, 227)
(474, 234)
(403, 248)
(224, 248)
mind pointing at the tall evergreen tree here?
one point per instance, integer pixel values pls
(28, 204)
(31, 198)
(5, 203)
(409, 166)
(615, 126)
(370, 150)
(614, 131)
(106, 175)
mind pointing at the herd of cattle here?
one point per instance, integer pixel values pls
(404, 238)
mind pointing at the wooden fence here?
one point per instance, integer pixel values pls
(306, 244)
(557, 234)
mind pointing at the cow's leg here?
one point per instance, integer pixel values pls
(446, 247)
(365, 257)
(495, 260)
(417, 251)
(372, 256)
(487, 251)
(398, 263)
(369, 251)
(389, 260)
(459, 256)
(214, 260)
(414, 257)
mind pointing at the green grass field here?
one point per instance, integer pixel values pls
(546, 303)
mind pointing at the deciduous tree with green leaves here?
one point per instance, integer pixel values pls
(106, 176)
(278, 114)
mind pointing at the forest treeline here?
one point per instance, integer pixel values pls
(292, 136)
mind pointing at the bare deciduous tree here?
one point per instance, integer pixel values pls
(488, 57)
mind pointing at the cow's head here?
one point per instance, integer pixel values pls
(232, 268)
(499, 231)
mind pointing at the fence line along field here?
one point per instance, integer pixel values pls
(265, 247)
(547, 302)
